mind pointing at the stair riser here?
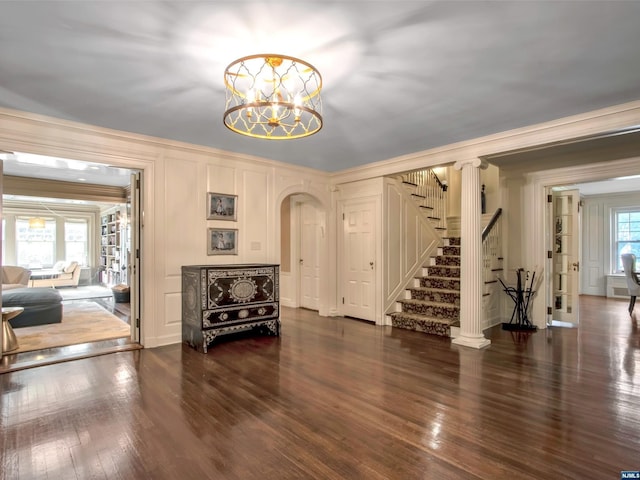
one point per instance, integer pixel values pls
(435, 296)
(451, 251)
(447, 284)
(450, 261)
(451, 241)
(421, 326)
(434, 311)
(442, 271)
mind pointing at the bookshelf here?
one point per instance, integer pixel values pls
(110, 248)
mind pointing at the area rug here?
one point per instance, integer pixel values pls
(82, 322)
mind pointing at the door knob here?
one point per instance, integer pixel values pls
(576, 266)
(371, 264)
(301, 261)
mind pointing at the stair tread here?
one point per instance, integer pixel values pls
(417, 316)
(436, 277)
(434, 289)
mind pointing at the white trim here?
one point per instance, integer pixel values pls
(613, 231)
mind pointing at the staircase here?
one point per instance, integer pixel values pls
(433, 305)
(429, 193)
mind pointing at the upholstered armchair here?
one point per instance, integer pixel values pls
(633, 284)
(15, 277)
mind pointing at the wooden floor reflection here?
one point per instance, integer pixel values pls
(334, 398)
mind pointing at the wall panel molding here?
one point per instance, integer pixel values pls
(408, 243)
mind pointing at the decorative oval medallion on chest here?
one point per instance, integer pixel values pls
(191, 297)
(243, 290)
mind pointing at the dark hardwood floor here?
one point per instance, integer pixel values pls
(334, 398)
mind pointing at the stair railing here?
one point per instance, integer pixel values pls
(430, 193)
(492, 247)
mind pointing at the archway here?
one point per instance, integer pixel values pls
(305, 256)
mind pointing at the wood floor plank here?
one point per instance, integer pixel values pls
(335, 398)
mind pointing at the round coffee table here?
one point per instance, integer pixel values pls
(9, 340)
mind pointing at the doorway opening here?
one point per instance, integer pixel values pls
(302, 242)
(93, 226)
(591, 225)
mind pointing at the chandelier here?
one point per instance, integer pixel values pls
(271, 96)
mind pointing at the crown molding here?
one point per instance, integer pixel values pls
(606, 121)
(116, 147)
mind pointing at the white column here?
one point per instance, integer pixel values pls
(471, 256)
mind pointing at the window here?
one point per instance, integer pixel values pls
(626, 235)
(76, 239)
(35, 247)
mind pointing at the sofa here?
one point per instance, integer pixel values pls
(41, 306)
(62, 274)
(15, 277)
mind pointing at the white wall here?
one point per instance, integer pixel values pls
(596, 238)
(177, 178)
(490, 178)
(513, 212)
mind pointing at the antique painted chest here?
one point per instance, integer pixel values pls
(225, 299)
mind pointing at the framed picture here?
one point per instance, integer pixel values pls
(221, 206)
(222, 241)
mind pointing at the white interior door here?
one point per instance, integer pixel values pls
(358, 265)
(310, 234)
(565, 259)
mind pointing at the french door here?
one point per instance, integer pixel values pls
(564, 257)
(134, 266)
(1, 248)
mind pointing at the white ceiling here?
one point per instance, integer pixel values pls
(619, 185)
(52, 168)
(399, 76)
